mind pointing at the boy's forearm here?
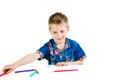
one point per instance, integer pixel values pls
(26, 60)
(70, 63)
(75, 63)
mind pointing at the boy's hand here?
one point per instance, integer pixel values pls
(80, 62)
(62, 64)
(8, 68)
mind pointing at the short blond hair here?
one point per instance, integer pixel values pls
(57, 18)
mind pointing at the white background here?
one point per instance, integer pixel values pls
(94, 24)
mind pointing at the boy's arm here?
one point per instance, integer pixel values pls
(26, 59)
(70, 63)
(23, 61)
(78, 62)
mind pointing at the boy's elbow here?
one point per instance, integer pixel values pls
(80, 62)
(36, 56)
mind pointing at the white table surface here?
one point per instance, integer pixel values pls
(45, 72)
(85, 72)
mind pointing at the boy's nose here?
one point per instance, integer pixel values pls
(59, 35)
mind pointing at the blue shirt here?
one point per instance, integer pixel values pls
(71, 52)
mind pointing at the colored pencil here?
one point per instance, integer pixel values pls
(65, 70)
(4, 73)
(32, 74)
(25, 71)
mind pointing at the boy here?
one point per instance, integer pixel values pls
(59, 50)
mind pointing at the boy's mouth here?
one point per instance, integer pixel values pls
(60, 39)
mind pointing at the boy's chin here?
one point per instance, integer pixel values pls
(60, 42)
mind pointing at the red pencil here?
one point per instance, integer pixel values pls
(4, 73)
(65, 70)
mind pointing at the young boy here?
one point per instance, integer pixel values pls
(59, 50)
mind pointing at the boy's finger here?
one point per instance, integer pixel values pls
(6, 70)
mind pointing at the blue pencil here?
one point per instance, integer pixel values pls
(25, 71)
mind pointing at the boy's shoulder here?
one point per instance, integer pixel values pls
(50, 42)
(72, 42)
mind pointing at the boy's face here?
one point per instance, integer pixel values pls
(59, 32)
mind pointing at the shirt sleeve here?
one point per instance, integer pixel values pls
(43, 51)
(79, 53)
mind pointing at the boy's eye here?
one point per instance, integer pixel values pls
(61, 31)
(54, 32)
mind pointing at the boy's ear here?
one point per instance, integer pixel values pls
(50, 32)
(68, 28)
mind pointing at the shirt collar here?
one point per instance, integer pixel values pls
(53, 45)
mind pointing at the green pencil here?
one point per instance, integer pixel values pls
(32, 74)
